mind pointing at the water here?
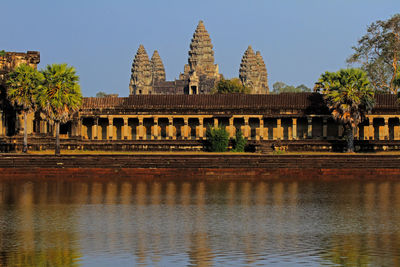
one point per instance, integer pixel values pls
(199, 223)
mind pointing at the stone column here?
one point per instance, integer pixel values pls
(82, 129)
(29, 122)
(1, 123)
(201, 129)
(279, 135)
(324, 127)
(170, 125)
(246, 128)
(371, 128)
(155, 128)
(95, 128)
(231, 127)
(294, 128)
(110, 128)
(386, 128)
(126, 129)
(186, 128)
(261, 132)
(309, 129)
(140, 135)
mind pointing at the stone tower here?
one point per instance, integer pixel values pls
(201, 60)
(141, 78)
(253, 72)
(157, 67)
(263, 85)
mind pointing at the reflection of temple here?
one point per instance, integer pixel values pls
(200, 222)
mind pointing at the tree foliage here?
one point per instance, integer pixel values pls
(61, 95)
(23, 85)
(349, 97)
(239, 143)
(281, 87)
(101, 94)
(378, 53)
(217, 139)
(234, 85)
(2, 53)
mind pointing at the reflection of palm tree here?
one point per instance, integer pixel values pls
(39, 244)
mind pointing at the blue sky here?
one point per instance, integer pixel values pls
(299, 40)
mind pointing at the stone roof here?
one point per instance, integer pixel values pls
(311, 103)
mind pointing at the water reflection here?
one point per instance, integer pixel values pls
(199, 223)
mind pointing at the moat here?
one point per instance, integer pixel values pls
(212, 222)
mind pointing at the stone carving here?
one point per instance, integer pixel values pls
(157, 67)
(201, 55)
(253, 72)
(141, 78)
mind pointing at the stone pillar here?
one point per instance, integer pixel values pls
(231, 127)
(95, 129)
(386, 128)
(110, 128)
(294, 130)
(126, 129)
(29, 123)
(140, 135)
(1, 123)
(201, 129)
(82, 129)
(279, 135)
(309, 129)
(170, 125)
(186, 128)
(261, 132)
(155, 128)
(371, 128)
(246, 128)
(324, 127)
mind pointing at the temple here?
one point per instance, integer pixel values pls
(174, 115)
(201, 73)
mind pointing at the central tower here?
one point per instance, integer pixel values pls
(200, 65)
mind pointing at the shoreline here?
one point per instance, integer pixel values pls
(200, 166)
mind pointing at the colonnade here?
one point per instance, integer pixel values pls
(253, 127)
(193, 127)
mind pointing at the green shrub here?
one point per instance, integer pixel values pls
(239, 143)
(217, 139)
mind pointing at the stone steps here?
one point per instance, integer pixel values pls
(199, 161)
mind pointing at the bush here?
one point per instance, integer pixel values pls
(239, 143)
(217, 139)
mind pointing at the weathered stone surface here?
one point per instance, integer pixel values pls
(263, 82)
(253, 72)
(11, 60)
(201, 55)
(157, 67)
(141, 78)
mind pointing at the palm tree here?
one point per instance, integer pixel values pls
(349, 97)
(61, 96)
(23, 85)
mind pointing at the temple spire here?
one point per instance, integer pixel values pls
(141, 77)
(157, 67)
(201, 54)
(253, 72)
